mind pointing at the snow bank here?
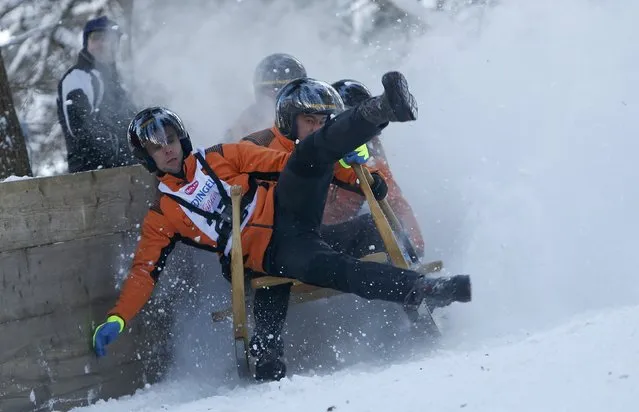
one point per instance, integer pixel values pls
(14, 178)
(589, 364)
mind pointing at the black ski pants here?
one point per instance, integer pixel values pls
(297, 249)
(357, 237)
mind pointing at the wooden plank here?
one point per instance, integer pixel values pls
(310, 294)
(63, 243)
(238, 302)
(51, 361)
(55, 295)
(430, 267)
(394, 222)
(301, 293)
(46, 279)
(46, 210)
(268, 281)
(383, 227)
(237, 269)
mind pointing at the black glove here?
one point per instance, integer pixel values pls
(379, 187)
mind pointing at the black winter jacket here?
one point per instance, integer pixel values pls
(94, 112)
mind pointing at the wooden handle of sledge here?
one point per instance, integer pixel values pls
(383, 226)
(394, 222)
(237, 268)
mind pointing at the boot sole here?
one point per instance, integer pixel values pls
(401, 101)
(465, 295)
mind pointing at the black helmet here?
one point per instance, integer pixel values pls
(308, 96)
(352, 92)
(274, 71)
(148, 126)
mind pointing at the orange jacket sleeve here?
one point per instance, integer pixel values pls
(247, 157)
(229, 160)
(253, 158)
(156, 242)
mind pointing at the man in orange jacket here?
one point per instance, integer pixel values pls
(271, 74)
(280, 223)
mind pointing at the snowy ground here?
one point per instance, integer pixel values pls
(589, 364)
(522, 169)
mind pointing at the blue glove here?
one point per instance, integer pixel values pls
(106, 333)
(359, 156)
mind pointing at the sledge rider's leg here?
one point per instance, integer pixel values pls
(269, 309)
(296, 249)
(300, 196)
(303, 184)
(302, 187)
(304, 256)
(299, 253)
(270, 306)
(356, 237)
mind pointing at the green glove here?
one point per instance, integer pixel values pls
(359, 156)
(106, 333)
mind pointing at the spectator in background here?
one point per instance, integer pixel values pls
(94, 110)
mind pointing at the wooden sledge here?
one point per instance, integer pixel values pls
(385, 220)
(302, 292)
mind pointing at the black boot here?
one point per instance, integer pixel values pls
(268, 351)
(269, 369)
(440, 292)
(395, 105)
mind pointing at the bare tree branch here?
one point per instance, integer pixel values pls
(9, 6)
(44, 51)
(86, 9)
(23, 53)
(23, 36)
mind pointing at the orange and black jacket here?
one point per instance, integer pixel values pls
(166, 222)
(345, 201)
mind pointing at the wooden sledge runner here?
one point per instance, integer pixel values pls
(386, 223)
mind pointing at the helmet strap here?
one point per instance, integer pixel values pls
(149, 163)
(292, 134)
(187, 146)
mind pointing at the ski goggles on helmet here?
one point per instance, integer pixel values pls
(151, 127)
